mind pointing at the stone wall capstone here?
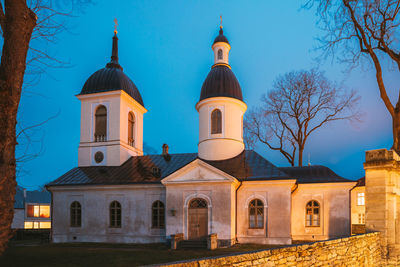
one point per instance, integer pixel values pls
(358, 250)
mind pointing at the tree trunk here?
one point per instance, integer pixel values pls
(396, 129)
(301, 148)
(17, 25)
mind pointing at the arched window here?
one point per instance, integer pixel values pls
(312, 213)
(256, 214)
(131, 129)
(115, 214)
(158, 215)
(219, 54)
(76, 214)
(216, 121)
(100, 133)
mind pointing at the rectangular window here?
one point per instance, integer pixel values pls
(45, 225)
(361, 199)
(38, 211)
(361, 218)
(28, 225)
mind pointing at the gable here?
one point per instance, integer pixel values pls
(198, 171)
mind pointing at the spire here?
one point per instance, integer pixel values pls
(221, 32)
(114, 54)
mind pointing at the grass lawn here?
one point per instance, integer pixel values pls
(88, 254)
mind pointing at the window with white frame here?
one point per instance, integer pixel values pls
(360, 199)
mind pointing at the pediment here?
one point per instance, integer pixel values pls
(198, 171)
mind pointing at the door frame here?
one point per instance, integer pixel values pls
(186, 212)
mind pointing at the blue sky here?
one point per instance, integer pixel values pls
(165, 48)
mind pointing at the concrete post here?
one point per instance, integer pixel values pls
(212, 242)
(175, 239)
(382, 192)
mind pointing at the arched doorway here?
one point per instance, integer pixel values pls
(198, 218)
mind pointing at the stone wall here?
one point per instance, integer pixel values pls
(359, 250)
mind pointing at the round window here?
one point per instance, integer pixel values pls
(98, 156)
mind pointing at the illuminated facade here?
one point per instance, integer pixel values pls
(117, 194)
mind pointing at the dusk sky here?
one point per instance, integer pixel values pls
(165, 48)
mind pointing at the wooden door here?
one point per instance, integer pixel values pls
(198, 219)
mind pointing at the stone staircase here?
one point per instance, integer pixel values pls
(193, 244)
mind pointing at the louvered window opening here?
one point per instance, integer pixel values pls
(216, 122)
(100, 134)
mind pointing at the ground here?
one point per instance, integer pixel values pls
(25, 253)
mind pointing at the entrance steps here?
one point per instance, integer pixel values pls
(193, 244)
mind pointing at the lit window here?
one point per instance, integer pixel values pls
(100, 132)
(42, 211)
(216, 121)
(45, 225)
(35, 225)
(361, 199)
(28, 225)
(158, 215)
(219, 54)
(115, 214)
(312, 213)
(256, 214)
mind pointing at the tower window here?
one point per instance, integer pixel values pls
(216, 121)
(131, 129)
(220, 54)
(100, 133)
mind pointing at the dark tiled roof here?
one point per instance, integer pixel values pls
(361, 182)
(19, 198)
(221, 37)
(135, 170)
(249, 166)
(31, 197)
(221, 81)
(314, 174)
(139, 170)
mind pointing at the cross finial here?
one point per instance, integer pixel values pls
(115, 25)
(221, 21)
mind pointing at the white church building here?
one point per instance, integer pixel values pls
(118, 194)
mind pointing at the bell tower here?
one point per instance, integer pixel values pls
(221, 108)
(111, 116)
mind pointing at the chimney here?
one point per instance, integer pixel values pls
(165, 154)
(165, 149)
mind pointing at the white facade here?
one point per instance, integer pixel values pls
(115, 147)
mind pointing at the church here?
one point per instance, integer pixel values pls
(117, 194)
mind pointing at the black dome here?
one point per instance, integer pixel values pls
(221, 81)
(221, 37)
(111, 79)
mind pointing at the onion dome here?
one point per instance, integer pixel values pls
(111, 78)
(221, 81)
(221, 37)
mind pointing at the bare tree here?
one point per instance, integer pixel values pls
(21, 21)
(299, 103)
(364, 29)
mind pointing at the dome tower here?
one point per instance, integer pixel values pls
(221, 108)
(111, 116)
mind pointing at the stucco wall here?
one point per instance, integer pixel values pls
(219, 201)
(275, 196)
(334, 200)
(360, 250)
(356, 209)
(116, 149)
(18, 220)
(136, 202)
